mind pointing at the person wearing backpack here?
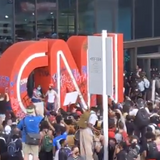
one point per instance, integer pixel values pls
(61, 133)
(133, 150)
(46, 151)
(151, 150)
(141, 117)
(30, 133)
(3, 144)
(14, 147)
(86, 124)
(63, 152)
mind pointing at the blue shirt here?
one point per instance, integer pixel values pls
(57, 139)
(31, 124)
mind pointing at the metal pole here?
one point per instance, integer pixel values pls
(35, 19)
(89, 95)
(133, 19)
(95, 16)
(114, 15)
(76, 19)
(116, 67)
(13, 22)
(153, 90)
(57, 16)
(59, 79)
(105, 96)
(152, 18)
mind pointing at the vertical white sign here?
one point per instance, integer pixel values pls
(95, 65)
(109, 65)
(100, 70)
(95, 85)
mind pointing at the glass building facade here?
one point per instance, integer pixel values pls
(34, 19)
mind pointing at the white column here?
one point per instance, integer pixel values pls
(105, 96)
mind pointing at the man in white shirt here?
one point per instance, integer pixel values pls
(146, 82)
(52, 98)
(141, 87)
(86, 136)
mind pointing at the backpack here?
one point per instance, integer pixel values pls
(68, 151)
(152, 150)
(82, 123)
(142, 118)
(3, 139)
(47, 144)
(12, 148)
(62, 155)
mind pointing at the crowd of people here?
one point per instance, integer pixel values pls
(134, 127)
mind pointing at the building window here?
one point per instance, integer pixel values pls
(46, 18)
(86, 16)
(157, 18)
(125, 18)
(24, 19)
(143, 18)
(5, 25)
(67, 18)
(106, 15)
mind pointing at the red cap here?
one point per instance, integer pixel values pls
(51, 85)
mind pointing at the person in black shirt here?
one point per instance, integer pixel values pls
(120, 151)
(58, 124)
(4, 105)
(130, 125)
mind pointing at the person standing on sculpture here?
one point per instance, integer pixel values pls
(52, 98)
(37, 95)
